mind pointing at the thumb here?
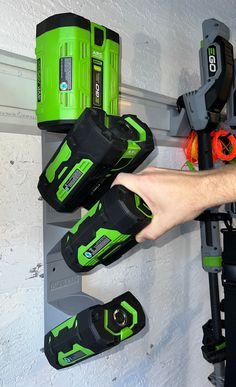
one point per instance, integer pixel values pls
(154, 230)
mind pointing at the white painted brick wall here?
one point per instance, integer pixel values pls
(159, 52)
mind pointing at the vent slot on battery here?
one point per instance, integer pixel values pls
(114, 61)
(84, 50)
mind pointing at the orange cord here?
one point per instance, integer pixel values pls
(191, 147)
(220, 149)
(224, 151)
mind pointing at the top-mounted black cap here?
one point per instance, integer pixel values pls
(62, 20)
(112, 35)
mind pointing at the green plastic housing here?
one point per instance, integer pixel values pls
(94, 330)
(77, 67)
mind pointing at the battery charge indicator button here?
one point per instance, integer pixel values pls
(63, 86)
(88, 254)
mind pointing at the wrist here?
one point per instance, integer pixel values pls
(203, 187)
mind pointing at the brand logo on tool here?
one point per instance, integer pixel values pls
(97, 90)
(97, 82)
(97, 54)
(212, 60)
(39, 80)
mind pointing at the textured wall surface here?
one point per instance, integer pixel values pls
(160, 41)
(160, 38)
(165, 276)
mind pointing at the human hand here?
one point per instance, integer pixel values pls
(173, 196)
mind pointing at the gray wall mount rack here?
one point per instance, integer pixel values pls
(64, 294)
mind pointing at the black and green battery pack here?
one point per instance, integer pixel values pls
(107, 231)
(77, 67)
(94, 330)
(91, 155)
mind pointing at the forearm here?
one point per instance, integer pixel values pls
(219, 186)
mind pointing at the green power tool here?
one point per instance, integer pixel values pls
(107, 231)
(77, 67)
(94, 330)
(95, 150)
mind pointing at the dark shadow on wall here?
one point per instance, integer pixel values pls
(146, 68)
